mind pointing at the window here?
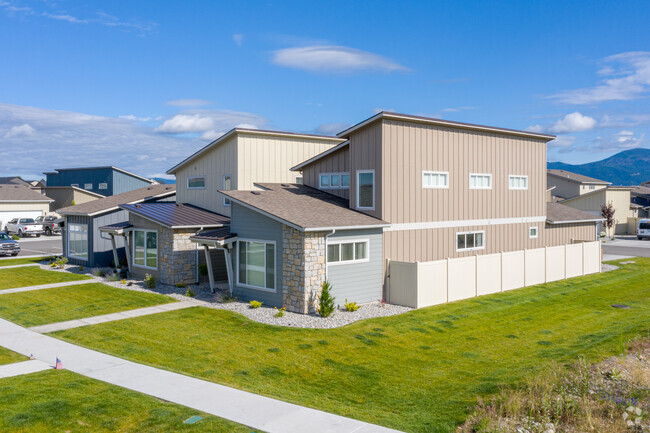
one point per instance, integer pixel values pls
(88, 186)
(256, 264)
(532, 232)
(518, 182)
(592, 186)
(103, 186)
(468, 241)
(78, 241)
(334, 181)
(76, 185)
(435, 179)
(197, 182)
(145, 249)
(480, 181)
(347, 252)
(227, 181)
(299, 180)
(365, 189)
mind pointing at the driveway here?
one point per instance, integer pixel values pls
(625, 246)
(43, 246)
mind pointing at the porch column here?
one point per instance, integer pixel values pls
(127, 248)
(226, 252)
(208, 262)
(115, 257)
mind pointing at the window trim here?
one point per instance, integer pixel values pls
(489, 175)
(85, 259)
(348, 241)
(187, 183)
(374, 188)
(275, 266)
(145, 231)
(88, 186)
(340, 174)
(425, 172)
(226, 201)
(536, 232)
(461, 250)
(99, 186)
(511, 176)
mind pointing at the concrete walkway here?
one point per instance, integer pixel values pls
(19, 266)
(46, 286)
(43, 329)
(25, 367)
(253, 410)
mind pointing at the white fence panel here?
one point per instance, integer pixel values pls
(488, 274)
(462, 278)
(592, 257)
(512, 270)
(555, 262)
(534, 266)
(574, 260)
(432, 283)
(403, 284)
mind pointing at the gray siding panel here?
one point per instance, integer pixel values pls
(252, 225)
(124, 183)
(76, 219)
(102, 247)
(358, 282)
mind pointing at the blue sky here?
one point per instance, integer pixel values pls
(141, 87)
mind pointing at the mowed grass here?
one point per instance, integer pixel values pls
(62, 401)
(418, 372)
(40, 307)
(25, 261)
(33, 276)
(9, 357)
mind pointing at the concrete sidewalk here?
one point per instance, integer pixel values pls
(19, 266)
(253, 410)
(46, 286)
(59, 326)
(25, 367)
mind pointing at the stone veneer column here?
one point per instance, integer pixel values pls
(177, 255)
(303, 269)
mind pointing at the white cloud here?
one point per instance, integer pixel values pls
(535, 128)
(210, 121)
(18, 131)
(188, 102)
(331, 128)
(629, 78)
(457, 109)
(182, 123)
(562, 142)
(134, 118)
(330, 58)
(238, 38)
(573, 122)
(65, 17)
(378, 110)
(624, 120)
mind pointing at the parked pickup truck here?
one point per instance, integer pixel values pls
(8, 245)
(23, 227)
(50, 226)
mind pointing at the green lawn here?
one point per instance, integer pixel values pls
(62, 401)
(40, 307)
(33, 275)
(417, 372)
(9, 357)
(25, 261)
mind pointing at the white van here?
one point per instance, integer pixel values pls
(643, 229)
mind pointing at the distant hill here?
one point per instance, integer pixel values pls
(165, 181)
(630, 167)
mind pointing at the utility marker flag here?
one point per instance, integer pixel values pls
(58, 365)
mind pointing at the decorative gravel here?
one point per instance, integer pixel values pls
(604, 267)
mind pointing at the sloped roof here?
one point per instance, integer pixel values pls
(218, 235)
(557, 213)
(13, 180)
(110, 203)
(575, 177)
(320, 155)
(303, 207)
(641, 190)
(19, 193)
(177, 215)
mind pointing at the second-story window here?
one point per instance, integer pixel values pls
(334, 181)
(196, 182)
(518, 182)
(435, 179)
(480, 181)
(227, 180)
(365, 189)
(592, 186)
(88, 186)
(103, 186)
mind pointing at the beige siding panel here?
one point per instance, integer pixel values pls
(560, 234)
(512, 270)
(462, 278)
(593, 202)
(555, 263)
(432, 283)
(574, 260)
(18, 206)
(535, 266)
(592, 257)
(337, 162)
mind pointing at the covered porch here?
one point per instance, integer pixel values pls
(121, 229)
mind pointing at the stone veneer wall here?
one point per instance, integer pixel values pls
(303, 269)
(177, 256)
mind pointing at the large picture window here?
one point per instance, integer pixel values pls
(196, 182)
(347, 252)
(256, 264)
(145, 249)
(78, 241)
(468, 241)
(366, 189)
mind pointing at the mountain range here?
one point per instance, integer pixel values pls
(629, 167)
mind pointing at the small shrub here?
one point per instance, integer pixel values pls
(74, 203)
(227, 299)
(81, 268)
(203, 269)
(190, 293)
(256, 304)
(98, 272)
(123, 281)
(60, 263)
(280, 312)
(326, 302)
(113, 277)
(52, 265)
(351, 306)
(150, 281)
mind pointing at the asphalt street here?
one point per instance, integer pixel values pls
(45, 245)
(627, 246)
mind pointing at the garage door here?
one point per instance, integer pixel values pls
(6, 216)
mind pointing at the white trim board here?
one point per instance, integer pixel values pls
(462, 223)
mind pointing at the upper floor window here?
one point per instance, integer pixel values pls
(196, 182)
(480, 181)
(227, 180)
(518, 182)
(468, 241)
(334, 180)
(592, 186)
(365, 189)
(435, 179)
(103, 186)
(88, 186)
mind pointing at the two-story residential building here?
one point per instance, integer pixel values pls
(106, 180)
(566, 184)
(402, 188)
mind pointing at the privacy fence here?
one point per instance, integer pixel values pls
(422, 284)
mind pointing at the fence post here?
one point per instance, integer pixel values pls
(545, 264)
(447, 285)
(476, 275)
(525, 261)
(565, 259)
(583, 258)
(501, 258)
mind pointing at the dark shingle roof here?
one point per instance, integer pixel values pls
(303, 207)
(177, 215)
(21, 193)
(13, 180)
(575, 177)
(557, 213)
(641, 190)
(112, 202)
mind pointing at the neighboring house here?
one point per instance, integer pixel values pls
(14, 180)
(399, 188)
(17, 201)
(106, 180)
(65, 196)
(84, 244)
(641, 197)
(569, 184)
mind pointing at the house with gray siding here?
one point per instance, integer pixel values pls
(106, 180)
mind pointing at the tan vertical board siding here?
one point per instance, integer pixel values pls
(593, 202)
(560, 234)
(337, 162)
(18, 206)
(366, 154)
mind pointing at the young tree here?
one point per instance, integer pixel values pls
(607, 211)
(326, 302)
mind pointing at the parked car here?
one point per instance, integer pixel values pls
(50, 224)
(643, 229)
(23, 227)
(8, 245)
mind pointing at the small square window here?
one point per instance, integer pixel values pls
(533, 233)
(88, 186)
(345, 181)
(325, 181)
(334, 180)
(103, 185)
